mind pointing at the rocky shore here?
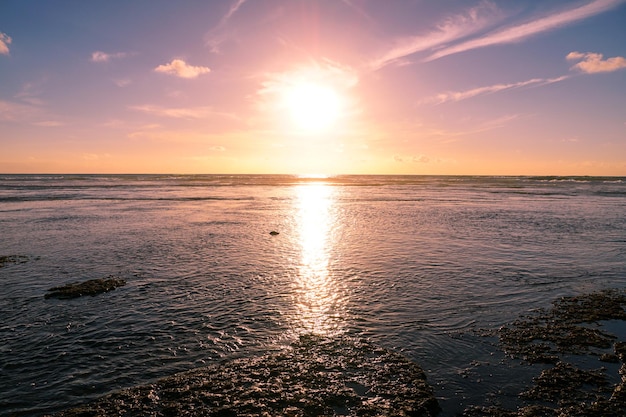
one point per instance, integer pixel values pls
(581, 371)
(314, 377)
(575, 356)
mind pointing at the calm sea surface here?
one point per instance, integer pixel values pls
(416, 264)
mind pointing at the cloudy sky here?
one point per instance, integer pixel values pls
(313, 86)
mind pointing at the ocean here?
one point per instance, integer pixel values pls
(423, 265)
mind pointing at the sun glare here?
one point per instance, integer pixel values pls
(309, 100)
(313, 107)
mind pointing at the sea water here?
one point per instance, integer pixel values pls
(418, 264)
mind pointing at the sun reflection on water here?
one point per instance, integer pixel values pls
(319, 300)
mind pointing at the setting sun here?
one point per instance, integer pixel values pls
(313, 107)
(309, 99)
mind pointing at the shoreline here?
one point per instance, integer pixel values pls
(573, 346)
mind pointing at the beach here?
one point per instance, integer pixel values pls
(431, 269)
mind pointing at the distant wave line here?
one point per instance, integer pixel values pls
(66, 197)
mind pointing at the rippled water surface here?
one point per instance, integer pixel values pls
(414, 264)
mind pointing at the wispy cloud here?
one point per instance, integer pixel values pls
(233, 9)
(99, 56)
(28, 113)
(463, 95)
(49, 123)
(444, 39)
(182, 112)
(122, 82)
(446, 135)
(181, 69)
(217, 35)
(31, 91)
(591, 63)
(210, 142)
(451, 29)
(5, 41)
(417, 159)
(360, 11)
(520, 32)
(10, 111)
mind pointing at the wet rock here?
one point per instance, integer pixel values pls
(12, 259)
(314, 377)
(543, 337)
(571, 328)
(609, 358)
(91, 287)
(566, 384)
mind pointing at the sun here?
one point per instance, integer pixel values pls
(313, 107)
(308, 100)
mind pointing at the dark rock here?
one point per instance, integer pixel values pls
(549, 333)
(91, 287)
(567, 384)
(570, 327)
(609, 358)
(315, 377)
(273, 233)
(12, 259)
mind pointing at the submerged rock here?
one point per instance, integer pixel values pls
(569, 330)
(91, 287)
(314, 377)
(12, 259)
(564, 328)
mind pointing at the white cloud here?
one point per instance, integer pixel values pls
(591, 63)
(180, 68)
(444, 39)
(451, 29)
(100, 56)
(520, 32)
(463, 95)
(5, 41)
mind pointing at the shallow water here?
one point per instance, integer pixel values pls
(415, 264)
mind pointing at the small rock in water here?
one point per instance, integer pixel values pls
(12, 259)
(273, 233)
(90, 287)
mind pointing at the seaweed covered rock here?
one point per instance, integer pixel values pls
(91, 287)
(572, 330)
(314, 377)
(541, 338)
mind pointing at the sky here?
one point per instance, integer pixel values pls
(485, 87)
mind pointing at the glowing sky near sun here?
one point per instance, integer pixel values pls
(305, 86)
